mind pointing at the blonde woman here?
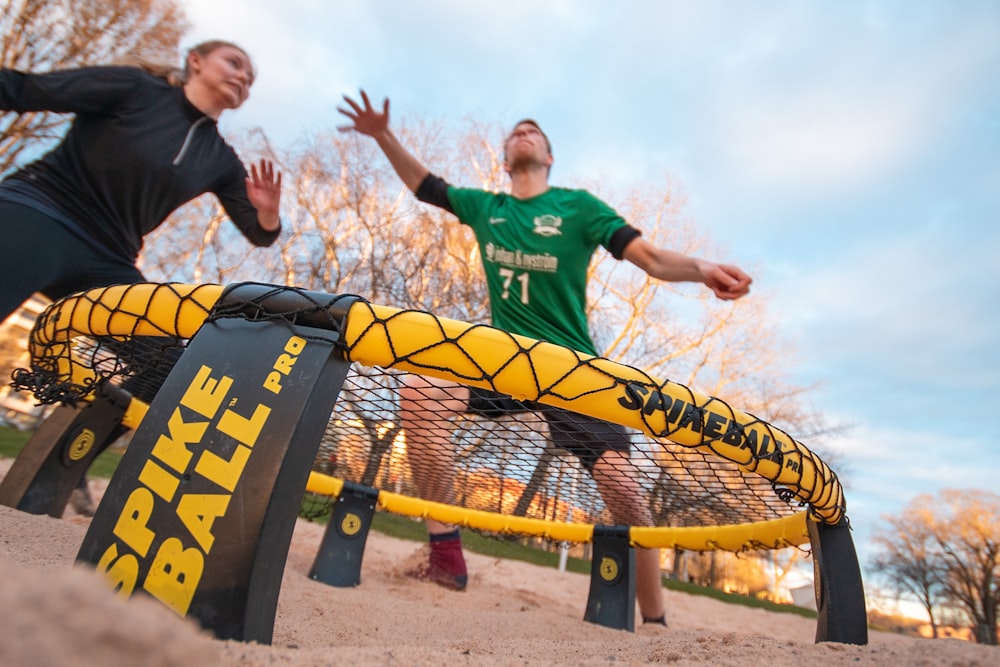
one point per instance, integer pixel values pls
(144, 140)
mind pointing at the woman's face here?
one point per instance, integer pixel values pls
(227, 71)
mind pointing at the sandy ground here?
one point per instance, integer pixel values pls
(60, 614)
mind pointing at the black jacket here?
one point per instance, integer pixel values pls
(136, 150)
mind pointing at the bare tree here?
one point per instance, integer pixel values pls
(967, 529)
(946, 551)
(907, 556)
(44, 35)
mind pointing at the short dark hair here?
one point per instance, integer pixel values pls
(529, 121)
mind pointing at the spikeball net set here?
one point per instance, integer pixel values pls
(713, 477)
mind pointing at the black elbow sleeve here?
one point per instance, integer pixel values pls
(620, 239)
(434, 190)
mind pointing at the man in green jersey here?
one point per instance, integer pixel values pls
(536, 244)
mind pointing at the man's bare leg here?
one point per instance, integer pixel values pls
(427, 408)
(615, 478)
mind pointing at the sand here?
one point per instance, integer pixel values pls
(61, 614)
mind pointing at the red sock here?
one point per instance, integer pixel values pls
(447, 564)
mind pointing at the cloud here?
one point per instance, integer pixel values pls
(914, 307)
(807, 122)
(817, 142)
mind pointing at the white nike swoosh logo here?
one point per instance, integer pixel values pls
(496, 221)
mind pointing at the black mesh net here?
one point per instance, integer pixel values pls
(509, 465)
(509, 461)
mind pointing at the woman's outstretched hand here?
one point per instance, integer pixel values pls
(264, 192)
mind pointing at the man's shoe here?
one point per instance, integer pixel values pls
(445, 564)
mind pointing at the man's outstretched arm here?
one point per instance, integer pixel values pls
(728, 282)
(375, 124)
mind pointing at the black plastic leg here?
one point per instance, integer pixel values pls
(840, 594)
(338, 562)
(612, 580)
(201, 509)
(56, 457)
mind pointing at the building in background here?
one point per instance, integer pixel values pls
(18, 408)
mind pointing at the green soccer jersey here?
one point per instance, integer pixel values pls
(535, 254)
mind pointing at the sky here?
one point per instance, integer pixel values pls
(847, 152)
